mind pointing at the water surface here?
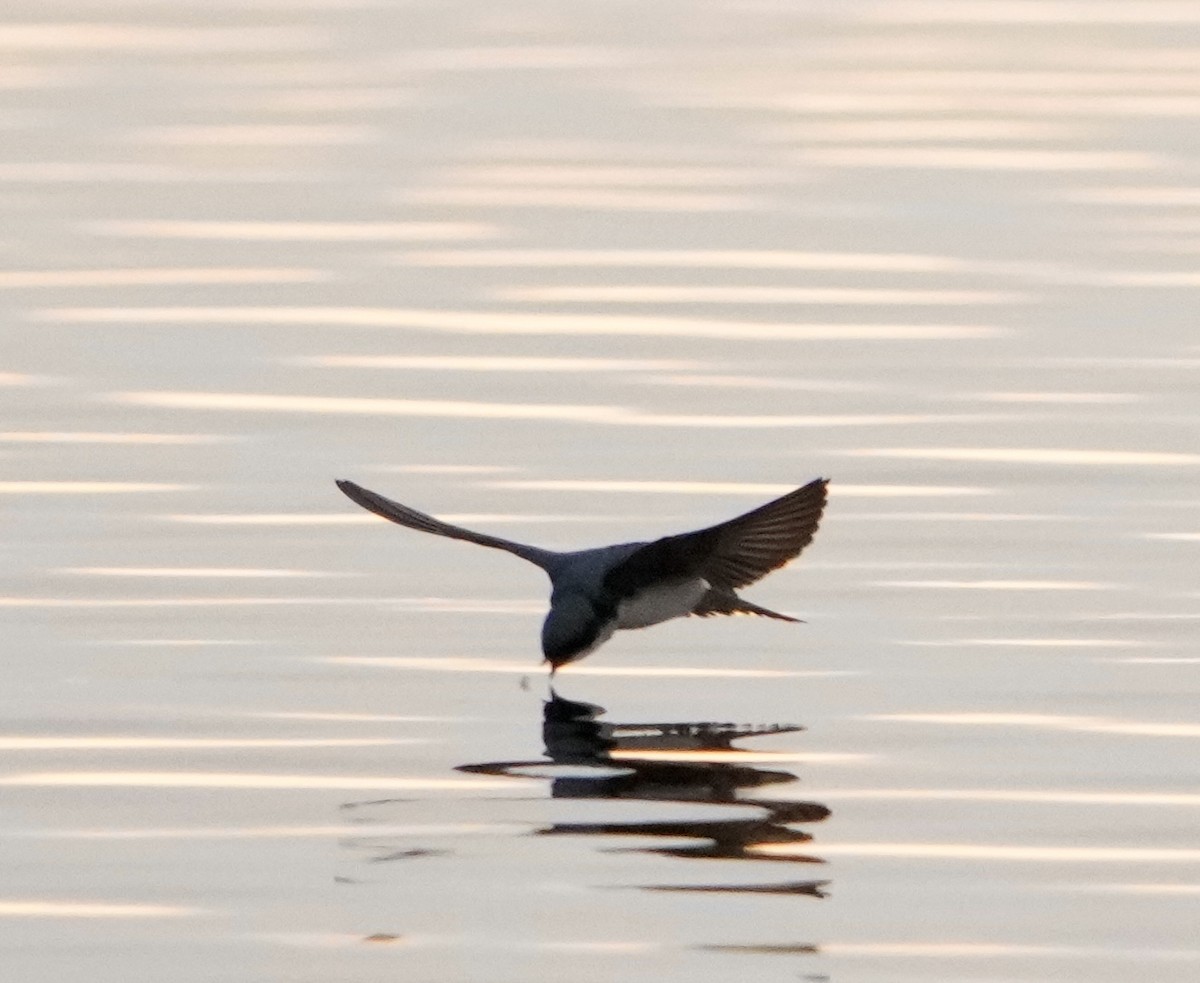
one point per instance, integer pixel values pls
(585, 273)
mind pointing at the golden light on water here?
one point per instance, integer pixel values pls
(1053, 12)
(601, 948)
(1014, 455)
(1139, 196)
(291, 231)
(118, 743)
(85, 909)
(957, 517)
(464, 409)
(923, 130)
(598, 199)
(1004, 852)
(456, 469)
(1014, 585)
(1185, 800)
(218, 573)
(268, 832)
(312, 99)
(91, 437)
(1051, 722)
(142, 277)
(86, 487)
(250, 134)
(1158, 661)
(477, 57)
(659, 294)
(23, 379)
(1181, 890)
(341, 718)
(242, 780)
(980, 158)
(431, 605)
(462, 664)
(731, 488)
(746, 757)
(276, 519)
(1033, 643)
(366, 519)
(99, 36)
(495, 363)
(720, 259)
(521, 323)
(1051, 397)
(100, 603)
(358, 405)
(1000, 950)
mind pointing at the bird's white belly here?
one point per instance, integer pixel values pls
(660, 603)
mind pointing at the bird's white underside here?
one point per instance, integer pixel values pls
(675, 599)
(651, 606)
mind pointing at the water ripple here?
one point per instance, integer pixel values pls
(518, 323)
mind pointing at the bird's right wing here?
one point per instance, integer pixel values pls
(402, 514)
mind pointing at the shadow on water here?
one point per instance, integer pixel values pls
(681, 763)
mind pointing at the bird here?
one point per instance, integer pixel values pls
(596, 592)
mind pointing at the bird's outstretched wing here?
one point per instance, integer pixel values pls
(749, 547)
(402, 514)
(731, 554)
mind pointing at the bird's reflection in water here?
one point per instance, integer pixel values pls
(665, 762)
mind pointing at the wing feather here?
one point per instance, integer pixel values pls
(749, 547)
(731, 554)
(405, 516)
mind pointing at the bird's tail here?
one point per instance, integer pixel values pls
(727, 602)
(745, 607)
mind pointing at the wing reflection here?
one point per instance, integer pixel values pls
(677, 771)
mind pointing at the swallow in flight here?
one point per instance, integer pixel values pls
(596, 592)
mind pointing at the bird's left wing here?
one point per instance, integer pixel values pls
(749, 547)
(734, 553)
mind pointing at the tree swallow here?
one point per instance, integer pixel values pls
(634, 585)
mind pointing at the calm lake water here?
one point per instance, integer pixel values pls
(580, 273)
